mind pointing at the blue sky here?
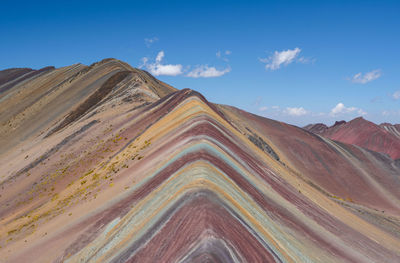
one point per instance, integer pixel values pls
(295, 61)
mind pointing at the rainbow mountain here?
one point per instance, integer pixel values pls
(105, 163)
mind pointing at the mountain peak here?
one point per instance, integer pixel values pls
(361, 119)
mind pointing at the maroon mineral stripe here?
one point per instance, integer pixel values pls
(186, 226)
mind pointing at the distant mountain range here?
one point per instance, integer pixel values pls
(383, 138)
(105, 163)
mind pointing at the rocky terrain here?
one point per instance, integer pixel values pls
(105, 163)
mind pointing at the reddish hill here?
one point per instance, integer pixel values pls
(384, 138)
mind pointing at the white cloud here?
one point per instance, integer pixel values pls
(150, 41)
(263, 108)
(396, 95)
(304, 60)
(303, 116)
(387, 113)
(160, 56)
(361, 112)
(223, 55)
(144, 62)
(158, 69)
(205, 71)
(340, 108)
(296, 111)
(167, 70)
(279, 58)
(258, 101)
(366, 77)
